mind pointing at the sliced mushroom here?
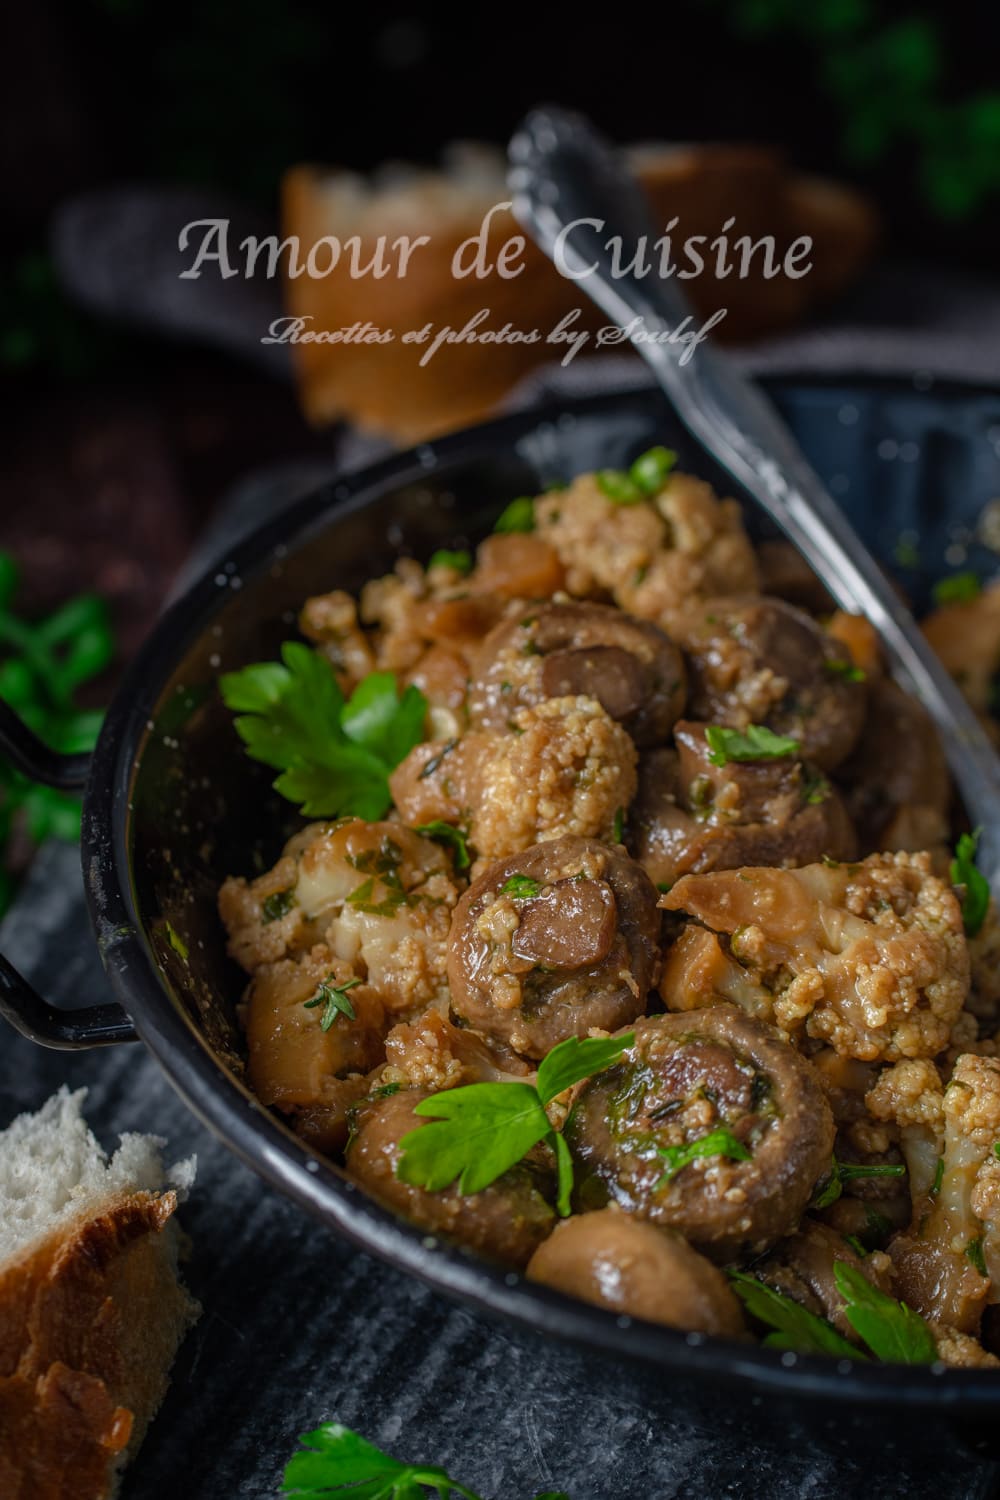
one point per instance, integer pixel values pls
(575, 649)
(690, 815)
(619, 1261)
(552, 943)
(710, 1124)
(761, 661)
(507, 1221)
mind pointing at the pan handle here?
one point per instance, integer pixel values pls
(22, 1006)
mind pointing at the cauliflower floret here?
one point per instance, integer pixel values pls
(654, 556)
(870, 958)
(567, 768)
(378, 894)
(960, 1351)
(432, 1053)
(331, 620)
(948, 1261)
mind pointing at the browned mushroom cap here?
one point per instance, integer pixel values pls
(896, 782)
(621, 1262)
(761, 661)
(710, 1124)
(802, 1268)
(691, 816)
(506, 1221)
(572, 650)
(554, 942)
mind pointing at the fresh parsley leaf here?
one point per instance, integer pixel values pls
(277, 905)
(618, 826)
(334, 998)
(959, 588)
(976, 901)
(453, 838)
(650, 470)
(619, 486)
(476, 1134)
(482, 1130)
(757, 743)
(176, 942)
(521, 887)
(892, 1331)
(458, 562)
(815, 787)
(334, 1460)
(975, 1256)
(996, 1152)
(720, 1142)
(334, 756)
(519, 515)
(794, 1326)
(847, 670)
(577, 1058)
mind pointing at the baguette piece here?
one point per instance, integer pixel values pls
(91, 1309)
(383, 387)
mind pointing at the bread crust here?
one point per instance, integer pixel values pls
(90, 1320)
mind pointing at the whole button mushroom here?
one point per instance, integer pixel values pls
(710, 1124)
(618, 1261)
(753, 660)
(565, 650)
(554, 943)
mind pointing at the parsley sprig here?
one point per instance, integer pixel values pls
(892, 1331)
(832, 1185)
(334, 1460)
(44, 664)
(334, 755)
(963, 872)
(482, 1130)
(757, 742)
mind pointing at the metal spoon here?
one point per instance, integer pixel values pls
(563, 177)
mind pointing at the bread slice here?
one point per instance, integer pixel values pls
(91, 1309)
(384, 387)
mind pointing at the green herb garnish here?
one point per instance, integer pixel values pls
(846, 669)
(333, 1460)
(482, 1130)
(892, 1331)
(793, 1326)
(334, 756)
(618, 825)
(841, 1172)
(521, 887)
(938, 1177)
(334, 998)
(963, 872)
(959, 588)
(720, 1142)
(458, 562)
(651, 468)
(756, 743)
(277, 905)
(619, 487)
(975, 1256)
(176, 942)
(519, 515)
(452, 838)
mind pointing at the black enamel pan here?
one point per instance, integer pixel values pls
(172, 805)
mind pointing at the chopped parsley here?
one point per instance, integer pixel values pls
(452, 838)
(619, 486)
(832, 1185)
(974, 1254)
(435, 760)
(334, 755)
(720, 1142)
(277, 905)
(618, 825)
(848, 670)
(963, 872)
(333, 997)
(641, 481)
(521, 887)
(478, 1132)
(332, 1460)
(458, 562)
(176, 942)
(939, 1176)
(519, 515)
(959, 588)
(756, 743)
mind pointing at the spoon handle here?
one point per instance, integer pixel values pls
(574, 195)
